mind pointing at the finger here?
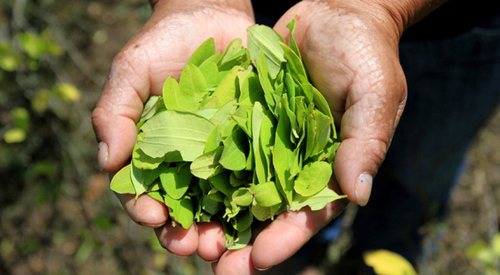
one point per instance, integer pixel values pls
(236, 262)
(289, 232)
(212, 241)
(178, 240)
(145, 210)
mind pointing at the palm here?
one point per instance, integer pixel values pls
(161, 49)
(167, 41)
(353, 59)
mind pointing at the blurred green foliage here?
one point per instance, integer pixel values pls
(57, 214)
(33, 105)
(487, 255)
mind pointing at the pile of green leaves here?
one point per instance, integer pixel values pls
(242, 136)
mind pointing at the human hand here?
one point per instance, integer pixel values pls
(350, 50)
(351, 54)
(161, 49)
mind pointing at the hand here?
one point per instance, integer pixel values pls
(161, 49)
(350, 50)
(352, 58)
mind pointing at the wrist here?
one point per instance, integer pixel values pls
(244, 6)
(395, 15)
(405, 13)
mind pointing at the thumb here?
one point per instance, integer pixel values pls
(366, 130)
(353, 60)
(119, 108)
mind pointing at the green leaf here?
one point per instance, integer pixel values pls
(313, 178)
(193, 85)
(203, 52)
(221, 183)
(260, 212)
(264, 38)
(322, 131)
(121, 182)
(175, 181)
(242, 197)
(211, 74)
(250, 88)
(234, 55)
(267, 133)
(237, 239)
(294, 64)
(210, 206)
(223, 115)
(213, 139)
(315, 202)
(257, 117)
(283, 158)
(235, 150)
(293, 43)
(232, 52)
(265, 81)
(266, 194)
(232, 209)
(138, 181)
(212, 59)
(243, 117)
(143, 161)
(149, 108)
(290, 88)
(174, 98)
(157, 195)
(205, 165)
(226, 91)
(243, 220)
(171, 131)
(238, 178)
(181, 211)
(321, 103)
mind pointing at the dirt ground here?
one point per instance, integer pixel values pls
(82, 229)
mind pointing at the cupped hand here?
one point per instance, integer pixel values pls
(161, 49)
(350, 49)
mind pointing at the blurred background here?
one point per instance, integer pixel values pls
(57, 214)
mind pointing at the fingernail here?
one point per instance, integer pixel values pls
(102, 154)
(363, 188)
(260, 269)
(157, 225)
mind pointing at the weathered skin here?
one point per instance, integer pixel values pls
(350, 49)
